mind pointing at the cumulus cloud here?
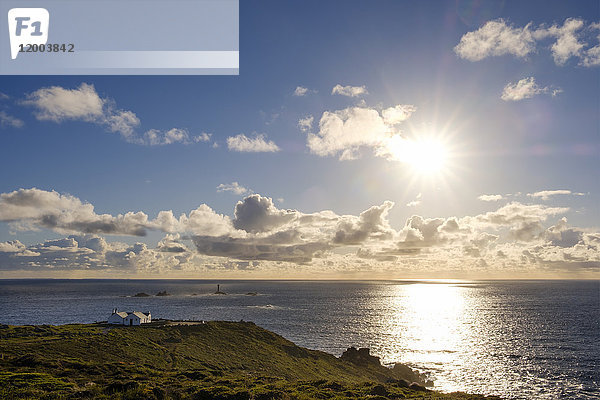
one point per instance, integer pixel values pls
(526, 88)
(344, 132)
(349, 91)
(546, 194)
(260, 236)
(58, 104)
(7, 120)
(232, 187)
(35, 208)
(567, 43)
(490, 197)
(497, 38)
(256, 144)
(305, 124)
(32, 209)
(591, 57)
(397, 114)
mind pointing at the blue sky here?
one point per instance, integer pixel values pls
(511, 119)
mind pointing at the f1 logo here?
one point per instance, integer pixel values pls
(27, 26)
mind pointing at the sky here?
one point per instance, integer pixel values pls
(361, 140)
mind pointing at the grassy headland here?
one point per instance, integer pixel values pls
(215, 360)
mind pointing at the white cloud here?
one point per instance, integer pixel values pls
(155, 137)
(496, 38)
(591, 57)
(397, 114)
(490, 197)
(514, 214)
(302, 91)
(233, 187)
(350, 91)
(58, 104)
(567, 44)
(203, 137)
(526, 88)
(305, 124)
(413, 203)
(257, 144)
(546, 194)
(35, 208)
(9, 120)
(345, 131)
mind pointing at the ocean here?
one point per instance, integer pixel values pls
(517, 339)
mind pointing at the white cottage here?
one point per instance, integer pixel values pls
(137, 318)
(129, 318)
(117, 317)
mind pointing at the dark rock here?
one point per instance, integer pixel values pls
(163, 293)
(141, 294)
(360, 357)
(398, 382)
(251, 294)
(405, 372)
(417, 387)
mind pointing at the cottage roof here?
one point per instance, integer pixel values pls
(139, 314)
(121, 314)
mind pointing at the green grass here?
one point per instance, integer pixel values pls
(216, 360)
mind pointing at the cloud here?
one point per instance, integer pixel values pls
(395, 115)
(591, 57)
(155, 137)
(349, 91)
(546, 194)
(345, 131)
(34, 208)
(490, 197)
(203, 137)
(257, 144)
(305, 124)
(567, 44)
(415, 202)
(233, 187)
(497, 38)
(525, 89)
(516, 213)
(301, 91)
(9, 120)
(58, 104)
(262, 237)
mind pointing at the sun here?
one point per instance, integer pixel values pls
(426, 156)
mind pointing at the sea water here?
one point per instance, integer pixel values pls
(518, 339)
